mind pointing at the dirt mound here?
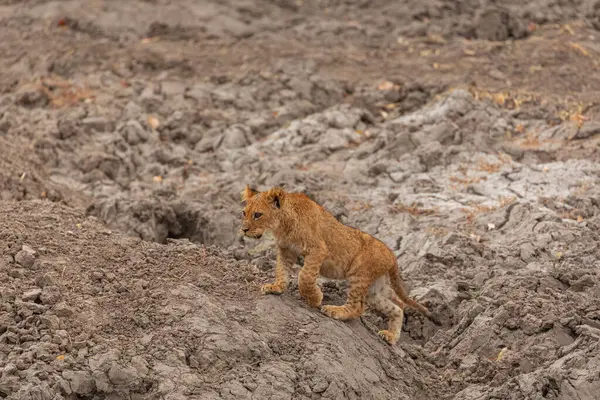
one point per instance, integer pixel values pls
(90, 313)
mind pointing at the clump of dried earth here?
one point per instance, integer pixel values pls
(464, 134)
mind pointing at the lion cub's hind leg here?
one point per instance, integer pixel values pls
(382, 298)
(355, 303)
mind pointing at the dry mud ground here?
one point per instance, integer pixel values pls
(464, 134)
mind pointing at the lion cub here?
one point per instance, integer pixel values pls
(331, 249)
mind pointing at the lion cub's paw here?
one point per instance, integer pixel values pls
(315, 299)
(335, 312)
(388, 336)
(271, 288)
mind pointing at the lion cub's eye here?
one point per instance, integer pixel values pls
(257, 215)
(243, 213)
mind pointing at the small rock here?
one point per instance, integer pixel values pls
(263, 263)
(131, 111)
(47, 338)
(319, 385)
(530, 324)
(140, 365)
(25, 259)
(26, 356)
(102, 362)
(63, 310)
(496, 24)
(62, 333)
(208, 143)
(50, 322)
(66, 128)
(16, 273)
(32, 295)
(236, 136)
(22, 365)
(31, 97)
(9, 369)
(123, 376)
(44, 280)
(494, 73)
(28, 249)
(134, 132)
(50, 295)
(101, 381)
(5, 322)
(205, 280)
(527, 252)
(64, 386)
(149, 100)
(97, 276)
(80, 344)
(26, 338)
(201, 94)
(82, 353)
(240, 254)
(81, 382)
(146, 339)
(11, 337)
(26, 309)
(98, 124)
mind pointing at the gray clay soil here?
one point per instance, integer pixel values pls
(464, 134)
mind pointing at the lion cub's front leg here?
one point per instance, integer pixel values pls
(307, 279)
(285, 260)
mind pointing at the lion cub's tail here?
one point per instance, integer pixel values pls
(399, 289)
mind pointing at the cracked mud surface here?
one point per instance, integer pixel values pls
(463, 134)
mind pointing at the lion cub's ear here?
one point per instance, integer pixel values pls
(275, 196)
(248, 193)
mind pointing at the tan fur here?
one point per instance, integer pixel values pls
(332, 250)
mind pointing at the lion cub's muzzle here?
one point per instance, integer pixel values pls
(246, 232)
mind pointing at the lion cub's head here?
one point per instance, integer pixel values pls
(262, 211)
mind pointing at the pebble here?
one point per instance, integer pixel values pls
(81, 382)
(134, 132)
(99, 124)
(25, 259)
(5, 322)
(16, 273)
(63, 310)
(31, 295)
(50, 295)
(9, 369)
(44, 280)
(31, 97)
(236, 136)
(123, 376)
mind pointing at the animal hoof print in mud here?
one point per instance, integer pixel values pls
(388, 336)
(271, 289)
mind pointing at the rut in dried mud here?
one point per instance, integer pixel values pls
(463, 134)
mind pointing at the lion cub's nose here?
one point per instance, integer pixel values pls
(245, 229)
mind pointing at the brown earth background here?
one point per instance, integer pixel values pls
(464, 134)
